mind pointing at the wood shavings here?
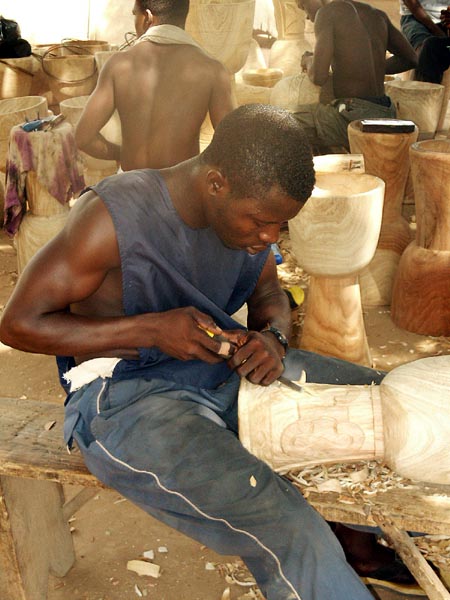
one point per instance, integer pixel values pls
(49, 425)
(138, 591)
(226, 594)
(355, 479)
(435, 548)
(144, 568)
(253, 481)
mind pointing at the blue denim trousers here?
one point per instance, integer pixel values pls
(176, 454)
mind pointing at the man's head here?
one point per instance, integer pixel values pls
(260, 164)
(159, 12)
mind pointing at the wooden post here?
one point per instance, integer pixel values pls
(386, 155)
(333, 237)
(35, 540)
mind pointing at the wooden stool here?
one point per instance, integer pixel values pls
(421, 293)
(333, 237)
(44, 172)
(418, 101)
(386, 155)
(14, 111)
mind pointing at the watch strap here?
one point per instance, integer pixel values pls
(278, 334)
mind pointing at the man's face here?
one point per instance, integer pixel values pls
(140, 19)
(252, 224)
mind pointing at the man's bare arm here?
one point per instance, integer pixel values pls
(97, 112)
(71, 268)
(421, 15)
(222, 99)
(403, 56)
(318, 65)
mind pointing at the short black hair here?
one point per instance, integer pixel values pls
(168, 11)
(258, 146)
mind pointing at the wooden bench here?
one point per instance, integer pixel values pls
(35, 537)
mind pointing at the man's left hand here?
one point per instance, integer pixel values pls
(259, 358)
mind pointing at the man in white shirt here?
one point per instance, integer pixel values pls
(426, 25)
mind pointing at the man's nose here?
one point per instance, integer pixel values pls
(270, 234)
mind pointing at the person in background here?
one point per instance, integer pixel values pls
(426, 24)
(149, 262)
(162, 88)
(352, 39)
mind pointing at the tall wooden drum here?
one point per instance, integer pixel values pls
(386, 155)
(421, 293)
(333, 237)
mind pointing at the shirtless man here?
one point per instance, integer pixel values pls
(162, 90)
(148, 260)
(352, 39)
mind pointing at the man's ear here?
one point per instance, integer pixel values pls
(215, 181)
(149, 18)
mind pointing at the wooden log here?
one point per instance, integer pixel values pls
(386, 155)
(418, 101)
(405, 422)
(333, 237)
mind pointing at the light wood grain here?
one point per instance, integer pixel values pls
(405, 422)
(418, 101)
(386, 155)
(224, 30)
(421, 292)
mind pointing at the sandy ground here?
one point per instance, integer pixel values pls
(108, 531)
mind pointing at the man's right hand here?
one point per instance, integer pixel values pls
(183, 334)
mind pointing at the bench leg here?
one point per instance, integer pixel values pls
(412, 557)
(35, 539)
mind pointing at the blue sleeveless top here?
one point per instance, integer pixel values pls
(166, 265)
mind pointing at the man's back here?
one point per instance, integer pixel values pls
(162, 93)
(353, 38)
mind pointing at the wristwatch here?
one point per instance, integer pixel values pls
(278, 334)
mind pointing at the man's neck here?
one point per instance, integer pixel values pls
(185, 183)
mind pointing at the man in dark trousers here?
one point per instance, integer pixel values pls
(149, 263)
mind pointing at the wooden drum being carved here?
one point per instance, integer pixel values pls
(421, 293)
(333, 237)
(405, 422)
